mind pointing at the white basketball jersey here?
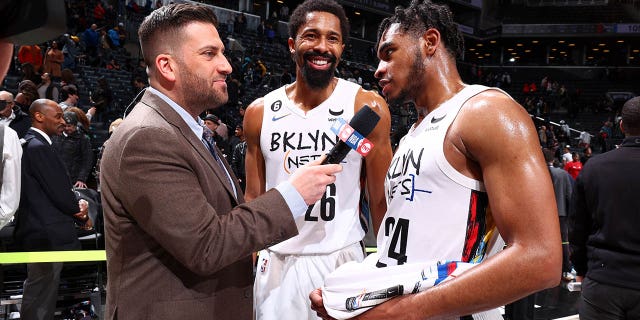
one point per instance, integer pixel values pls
(291, 138)
(433, 211)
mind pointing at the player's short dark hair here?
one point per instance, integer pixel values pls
(299, 16)
(631, 116)
(422, 15)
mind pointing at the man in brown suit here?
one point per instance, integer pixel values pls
(179, 236)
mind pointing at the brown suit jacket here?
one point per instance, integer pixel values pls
(178, 242)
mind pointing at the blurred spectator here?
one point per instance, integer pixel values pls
(84, 119)
(67, 78)
(102, 97)
(238, 156)
(585, 139)
(260, 29)
(112, 127)
(53, 61)
(69, 51)
(114, 37)
(29, 73)
(68, 97)
(574, 166)
(212, 122)
(91, 42)
(31, 54)
(284, 12)
(563, 189)
(12, 116)
(99, 13)
(75, 150)
(122, 33)
(587, 154)
(138, 85)
(113, 65)
(47, 89)
(241, 23)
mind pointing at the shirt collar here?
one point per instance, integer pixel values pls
(193, 124)
(46, 136)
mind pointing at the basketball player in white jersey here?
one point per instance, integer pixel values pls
(450, 180)
(292, 126)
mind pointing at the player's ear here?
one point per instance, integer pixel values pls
(431, 40)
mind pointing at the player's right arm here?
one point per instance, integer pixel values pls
(254, 161)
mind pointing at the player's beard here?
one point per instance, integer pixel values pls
(413, 87)
(318, 79)
(202, 94)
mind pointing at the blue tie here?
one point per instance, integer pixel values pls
(207, 136)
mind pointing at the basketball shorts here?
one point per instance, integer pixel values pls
(283, 282)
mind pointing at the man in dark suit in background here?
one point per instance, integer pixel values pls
(45, 218)
(179, 236)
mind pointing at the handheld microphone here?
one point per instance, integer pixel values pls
(352, 135)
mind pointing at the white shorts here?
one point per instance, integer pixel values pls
(283, 282)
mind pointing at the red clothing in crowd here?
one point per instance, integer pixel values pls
(574, 168)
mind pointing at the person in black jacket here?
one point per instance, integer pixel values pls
(17, 119)
(48, 207)
(74, 148)
(604, 224)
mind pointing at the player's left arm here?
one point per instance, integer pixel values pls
(498, 135)
(378, 160)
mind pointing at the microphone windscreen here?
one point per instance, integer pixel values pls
(364, 120)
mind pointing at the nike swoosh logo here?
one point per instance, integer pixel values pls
(336, 113)
(280, 117)
(436, 120)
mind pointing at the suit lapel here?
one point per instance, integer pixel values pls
(173, 118)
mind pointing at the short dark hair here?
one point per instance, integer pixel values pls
(299, 16)
(65, 91)
(422, 15)
(168, 21)
(631, 116)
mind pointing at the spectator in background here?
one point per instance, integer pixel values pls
(84, 119)
(563, 189)
(47, 89)
(99, 13)
(29, 73)
(53, 61)
(585, 140)
(212, 122)
(75, 150)
(68, 96)
(67, 78)
(102, 98)
(27, 93)
(91, 42)
(13, 116)
(586, 155)
(69, 52)
(31, 54)
(138, 85)
(241, 23)
(113, 65)
(574, 166)
(566, 156)
(114, 37)
(122, 34)
(604, 224)
(237, 160)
